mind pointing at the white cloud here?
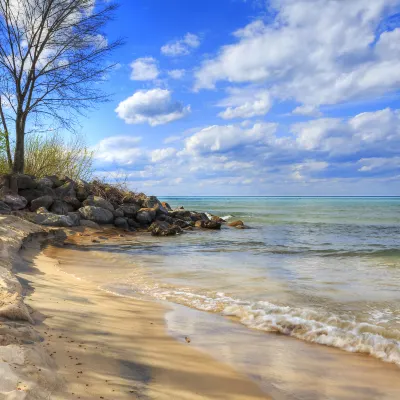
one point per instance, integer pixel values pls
(315, 52)
(122, 150)
(154, 107)
(177, 73)
(144, 69)
(310, 111)
(181, 47)
(245, 103)
(163, 154)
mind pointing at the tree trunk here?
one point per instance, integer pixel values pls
(19, 155)
(8, 150)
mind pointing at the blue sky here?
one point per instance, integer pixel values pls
(232, 97)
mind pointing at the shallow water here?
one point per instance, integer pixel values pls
(322, 270)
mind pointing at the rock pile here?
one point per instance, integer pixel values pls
(63, 202)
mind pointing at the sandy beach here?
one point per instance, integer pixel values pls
(109, 347)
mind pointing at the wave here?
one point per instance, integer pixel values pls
(315, 326)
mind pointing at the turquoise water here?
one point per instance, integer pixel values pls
(322, 270)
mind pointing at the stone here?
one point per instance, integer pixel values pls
(56, 182)
(133, 224)
(97, 201)
(97, 214)
(49, 219)
(66, 190)
(25, 182)
(4, 208)
(73, 202)
(75, 217)
(146, 216)
(166, 206)
(46, 182)
(218, 219)
(40, 191)
(42, 210)
(5, 180)
(162, 228)
(44, 201)
(60, 207)
(236, 224)
(118, 213)
(121, 223)
(208, 224)
(15, 202)
(129, 210)
(82, 189)
(89, 224)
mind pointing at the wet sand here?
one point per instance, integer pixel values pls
(109, 347)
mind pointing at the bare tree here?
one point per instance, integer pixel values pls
(53, 54)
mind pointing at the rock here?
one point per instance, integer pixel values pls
(56, 182)
(133, 224)
(66, 190)
(73, 202)
(160, 228)
(46, 182)
(97, 214)
(49, 219)
(5, 180)
(4, 191)
(146, 216)
(82, 189)
(118, 213)
(236, 224)
(4, 208)
(129, 210)
(75, 217)
(44, 201)
(166, 218)
(25, 182)
(97, 201)
(121, 223)
(166, 206)
(181, 223)
(208, 224)
(218, 219)
(89, 224)
(60, 207)
(42, 210)
(14, 201)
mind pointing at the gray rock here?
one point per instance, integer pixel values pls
(5, 180)
(75, 217)
(146, 216)
(61, 208)
(97, 214)
(97, 201)
(82, 189)
(42, 210)
(133, 224)
(73, 202)
(46, 182)
(118, 213)
(44, 201)
(208, 224)
(129, 210)
(162, 228)
(121, 223)
(40, 191)
(14, 201)
(89, 224)
(56, 182)
(66, 190)
(49, 219)
(25, 182)
(4, 208)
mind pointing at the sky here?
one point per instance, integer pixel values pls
(234, 97)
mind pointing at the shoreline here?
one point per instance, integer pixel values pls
(113, 347)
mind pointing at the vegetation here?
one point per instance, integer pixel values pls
(53, 55)
(54, 155)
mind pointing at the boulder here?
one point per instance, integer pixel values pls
(218, 219)
(75, 217)
(181, 223)
(60, 207)
(73, 202)
(66, 190)
(5, 180)
(97, 214)
(89, 224)
(96, 201)
(146, 216)
(49, 219)
(162, 228)
(133, 224)
(42, 210)
(129, 210)
(40, 191)
(166, 206)
(4, 208)
(44, 201)
(118, 213)
(82, 189)
(56, 182)
(236, 224)
(208, 224)
(46, 182)
(14, 201)
(25, 182)
(121, 223)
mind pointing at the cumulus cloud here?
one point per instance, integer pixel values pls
(144, 69)
(245, 103)
(177, 73)
(122, 150)
(163, 154)
(181, 47)
(315, 52)
(155, 107)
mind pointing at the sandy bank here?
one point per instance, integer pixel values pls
(103, 346)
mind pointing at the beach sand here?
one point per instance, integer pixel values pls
(109, 347)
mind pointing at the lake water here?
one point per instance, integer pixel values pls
(322, 271)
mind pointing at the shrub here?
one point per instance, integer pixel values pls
(54, 155)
